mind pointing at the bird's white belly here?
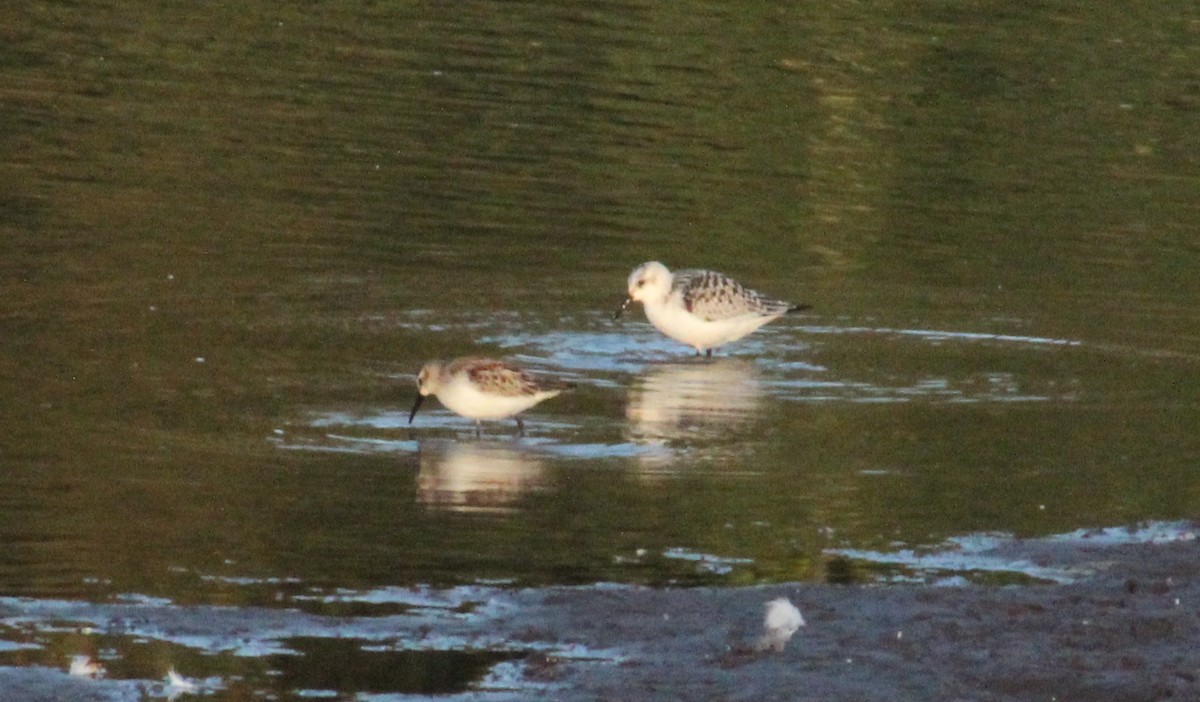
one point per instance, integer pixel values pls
(687, 328)
(465, 398)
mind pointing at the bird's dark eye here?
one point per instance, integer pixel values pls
(641, 283)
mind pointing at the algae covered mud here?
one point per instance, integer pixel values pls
(233, 237)
(1120, 623)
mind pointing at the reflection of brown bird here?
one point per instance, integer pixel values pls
(483, 388)
(703, 309)
(475, 475)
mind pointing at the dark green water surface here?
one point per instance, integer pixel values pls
(230, 234)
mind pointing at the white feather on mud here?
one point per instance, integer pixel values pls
(780, 622)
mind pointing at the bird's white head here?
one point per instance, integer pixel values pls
(427, 379)
(649, 281)
(428, 382)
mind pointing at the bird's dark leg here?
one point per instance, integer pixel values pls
(478, 432)
(708, 353)
(520, 426)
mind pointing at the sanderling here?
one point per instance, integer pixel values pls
(483, 388)
(702, 309)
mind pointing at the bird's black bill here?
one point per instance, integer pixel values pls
(416, 405)
(624, 306)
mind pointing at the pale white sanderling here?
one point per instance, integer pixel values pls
(703, 309)
(483, 388)
(780, 622)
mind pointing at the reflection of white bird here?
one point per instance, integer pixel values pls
(781, 621)
(674, 400)
(82, 666)
(703, 309)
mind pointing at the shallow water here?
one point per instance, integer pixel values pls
(231, 239)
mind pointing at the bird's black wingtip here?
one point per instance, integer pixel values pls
(798, 308)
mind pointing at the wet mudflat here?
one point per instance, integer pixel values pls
(1121, 625)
